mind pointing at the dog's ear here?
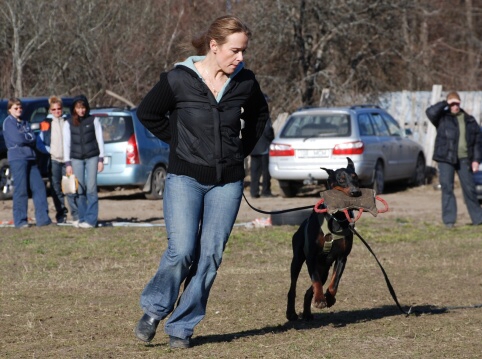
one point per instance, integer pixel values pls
(330, 172)
(351, 165)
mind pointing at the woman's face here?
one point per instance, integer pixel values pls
(80, 109)
(56, 110)
(15, 110)
(230, 54)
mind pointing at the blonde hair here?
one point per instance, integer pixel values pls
(54, 100)
(219, 30)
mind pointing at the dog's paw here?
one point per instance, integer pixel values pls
(319, 305)
(330, 299)
(292, 316)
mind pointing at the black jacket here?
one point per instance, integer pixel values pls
(204, 135)
(447, 139)
(83, 143)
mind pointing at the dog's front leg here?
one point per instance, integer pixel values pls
(319, 300)
(338, 269)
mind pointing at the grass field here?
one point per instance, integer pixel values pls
(68, 293)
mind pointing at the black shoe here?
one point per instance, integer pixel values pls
(179, 343)
(255, 196)
(449, 225)
(268, 195)
(146, 328)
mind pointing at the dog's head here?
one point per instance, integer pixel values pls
(344, 179)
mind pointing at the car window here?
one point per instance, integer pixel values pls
(3, 115)
(381, 128)
(38, 115)
(365, 125)
(115, 128)
(392, 125)
(318, 125)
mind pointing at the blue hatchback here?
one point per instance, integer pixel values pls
(133, 156)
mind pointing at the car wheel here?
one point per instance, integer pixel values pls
(418, 178)
(6, 188)
(289, 188)
(378, 179)
(158, 181)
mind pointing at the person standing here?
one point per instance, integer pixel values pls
(83, 157)
(20, 143)
(260, 164)
(457, 149)
(50, 144)
(204, 96)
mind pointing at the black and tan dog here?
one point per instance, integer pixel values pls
(323, 240)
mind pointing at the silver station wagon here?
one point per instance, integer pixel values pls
(325, 137)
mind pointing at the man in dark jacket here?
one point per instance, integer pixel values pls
(457, 149)
(260, 164)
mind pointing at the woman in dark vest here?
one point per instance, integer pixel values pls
(84, 157)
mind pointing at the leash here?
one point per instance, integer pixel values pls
(276, 212)
(389, 285)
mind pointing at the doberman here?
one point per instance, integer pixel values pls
(322, 240)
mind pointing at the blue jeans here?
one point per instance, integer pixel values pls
(449, 204)
(57, 171)
(85, 203)
(26, 175)
(199, 219)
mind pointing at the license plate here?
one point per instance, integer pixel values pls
(106, 160)
(312, 153)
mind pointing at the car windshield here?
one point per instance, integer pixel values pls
(115, 128)
(317, 125)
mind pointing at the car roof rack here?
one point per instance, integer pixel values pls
(364, 106)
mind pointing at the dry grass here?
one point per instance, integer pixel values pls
(68, 293)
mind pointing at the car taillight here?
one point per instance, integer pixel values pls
(276, 149)
(349, 148)
(132, 154)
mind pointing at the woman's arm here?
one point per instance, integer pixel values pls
(154, 108)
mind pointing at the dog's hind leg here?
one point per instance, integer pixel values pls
(296, 265)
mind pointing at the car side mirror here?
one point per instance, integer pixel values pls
(35, 126)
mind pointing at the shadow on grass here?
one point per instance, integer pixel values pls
(338, 319)
(131, 220)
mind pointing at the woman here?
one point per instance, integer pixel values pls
(50, 144)
(197, 107)
(83, 157)
(20, 142)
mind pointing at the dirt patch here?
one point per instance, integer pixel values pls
(132, 207)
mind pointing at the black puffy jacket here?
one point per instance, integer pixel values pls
(447, 139)
(204, 135)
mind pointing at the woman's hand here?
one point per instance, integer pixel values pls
(68, 171)
(100, 166)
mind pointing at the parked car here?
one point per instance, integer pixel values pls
(35, 110)
(323, 137)
(134, 157)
